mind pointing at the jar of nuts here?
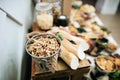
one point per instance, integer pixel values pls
(44, 50)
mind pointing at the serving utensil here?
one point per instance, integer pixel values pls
(87, 76)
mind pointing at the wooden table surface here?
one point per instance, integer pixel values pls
(61, 66)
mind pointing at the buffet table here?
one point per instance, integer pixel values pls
(63, 71)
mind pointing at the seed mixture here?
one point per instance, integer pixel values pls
(43, 45)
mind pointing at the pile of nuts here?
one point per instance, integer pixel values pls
(43, 45)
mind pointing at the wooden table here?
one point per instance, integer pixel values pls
(63, 72)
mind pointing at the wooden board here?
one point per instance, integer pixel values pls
(63, 72)
(61, 66)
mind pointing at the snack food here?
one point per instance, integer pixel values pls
(87, 8)
(43, 15)
(111, 47)
(77, 45)
(105, 64)
(45, 21)
(44, 50)
(115, 58)
(84, 15)
(43, 45)
(69, 58)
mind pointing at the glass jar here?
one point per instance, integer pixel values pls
(56, 8)
(44, 17)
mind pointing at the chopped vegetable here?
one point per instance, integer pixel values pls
(81, 30)
(72, 28)
(103, 40)
(115, 74)
(106, 30)
(59, 36)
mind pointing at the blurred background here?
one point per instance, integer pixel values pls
(109, 13)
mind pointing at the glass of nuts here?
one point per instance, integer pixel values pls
(44, 50)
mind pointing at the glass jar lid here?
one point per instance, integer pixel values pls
(43, 6)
